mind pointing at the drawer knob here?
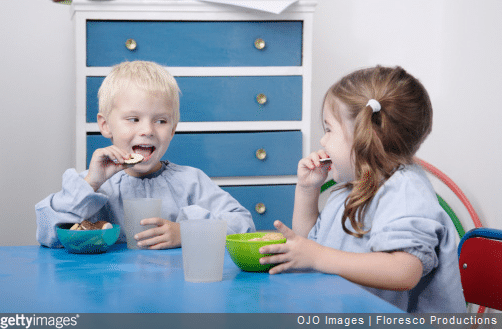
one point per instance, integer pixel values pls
(260, 208)
(259, 44)
(131, 44)
(261, 154)
(261, 99)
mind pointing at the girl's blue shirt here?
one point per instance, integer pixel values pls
(404, 215)
(183, 190)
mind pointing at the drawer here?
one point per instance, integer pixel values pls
(229, 154)
(266, 203)
(227, 98)
(192, 43)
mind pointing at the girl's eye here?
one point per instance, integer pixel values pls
(132, 119)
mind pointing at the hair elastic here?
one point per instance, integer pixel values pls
(375, 105)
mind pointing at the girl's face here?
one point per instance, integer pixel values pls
(337, 141)
(140, 122)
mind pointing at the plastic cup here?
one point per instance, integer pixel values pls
(134, 211)
(203, 249)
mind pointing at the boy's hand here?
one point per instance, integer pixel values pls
(311, 172)
(104, 164)
(165, 235)
(297, 253)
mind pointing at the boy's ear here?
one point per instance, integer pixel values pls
(103, 126)
(174, 130)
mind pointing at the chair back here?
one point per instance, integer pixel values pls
(480, 262)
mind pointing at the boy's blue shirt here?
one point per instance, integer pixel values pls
(181, 188)
(404, 215)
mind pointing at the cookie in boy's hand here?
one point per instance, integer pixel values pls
(325, 161)
(134, 159)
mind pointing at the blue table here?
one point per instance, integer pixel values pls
(36, 279)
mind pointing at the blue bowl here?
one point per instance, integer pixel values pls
(87, 242)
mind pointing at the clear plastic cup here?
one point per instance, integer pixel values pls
(203, 249)
(134, 211)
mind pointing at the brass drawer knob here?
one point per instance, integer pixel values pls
(261, 99)
(259, 44)
(260, 208)
(261, 154)
(131, 44)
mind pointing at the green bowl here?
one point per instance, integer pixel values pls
(245, 254)
(87, 242)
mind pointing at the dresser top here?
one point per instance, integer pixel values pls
(179, 5)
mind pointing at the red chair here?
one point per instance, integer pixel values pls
(480, 262)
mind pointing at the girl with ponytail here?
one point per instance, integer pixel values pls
(382, 227)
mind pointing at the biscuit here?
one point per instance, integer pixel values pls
(269, 237)
(134, 159)
(86, 225)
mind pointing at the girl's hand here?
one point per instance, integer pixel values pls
(311, 172)
(104, 164)
(297, 253)
(165, 235)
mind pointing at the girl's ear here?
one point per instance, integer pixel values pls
(103, 126)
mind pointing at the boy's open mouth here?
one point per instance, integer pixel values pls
(145, 150)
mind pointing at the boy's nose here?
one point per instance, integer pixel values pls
(146, 128)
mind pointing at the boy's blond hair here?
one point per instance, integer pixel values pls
(148, 76)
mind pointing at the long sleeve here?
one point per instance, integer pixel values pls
(75, 202)
(404, 215)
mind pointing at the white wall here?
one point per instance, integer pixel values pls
(453, 47)
(37, 110)
(450, 45)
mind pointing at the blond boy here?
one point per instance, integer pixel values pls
(138, 112)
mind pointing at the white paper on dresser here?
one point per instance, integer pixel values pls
(271, 6)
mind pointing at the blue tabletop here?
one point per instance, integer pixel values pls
(43, 280)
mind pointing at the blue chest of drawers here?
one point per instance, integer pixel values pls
(245, 82)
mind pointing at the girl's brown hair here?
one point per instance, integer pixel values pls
(384, 140)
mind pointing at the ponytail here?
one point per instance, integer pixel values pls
(392, 116)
